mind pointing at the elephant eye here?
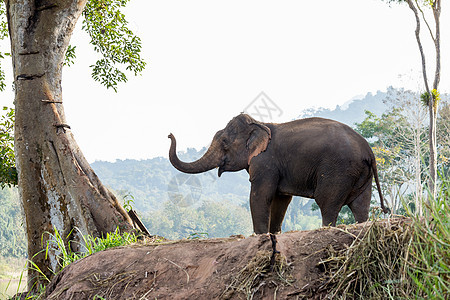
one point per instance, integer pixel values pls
(225, 142)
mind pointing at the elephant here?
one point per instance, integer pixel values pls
(314, 158)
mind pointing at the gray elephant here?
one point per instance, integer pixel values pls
(314, 158)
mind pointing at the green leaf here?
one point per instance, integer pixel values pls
(3, 35)
(110, 36)
(70, 56)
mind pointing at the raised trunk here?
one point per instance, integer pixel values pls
(58, 188)
(210, 160)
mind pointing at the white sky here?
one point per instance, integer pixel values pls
(208, 60)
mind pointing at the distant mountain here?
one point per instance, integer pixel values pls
(352, 111)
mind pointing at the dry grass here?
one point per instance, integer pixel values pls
(374, 266)
(256, 274)
(109, 286)
(387, 261)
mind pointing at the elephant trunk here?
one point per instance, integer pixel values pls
(210, 160)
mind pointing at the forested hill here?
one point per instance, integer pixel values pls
(353, 111)
(153, 182)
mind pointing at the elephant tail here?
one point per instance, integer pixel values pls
(385, 209)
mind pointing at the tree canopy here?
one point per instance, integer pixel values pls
(399, 138)
(119, 48)
(3, 35)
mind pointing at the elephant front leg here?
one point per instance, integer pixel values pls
(261, 196)
(278, 209)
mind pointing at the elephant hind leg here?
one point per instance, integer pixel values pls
(330, 196)
(278, 209)
(329, 217)
(361, 205)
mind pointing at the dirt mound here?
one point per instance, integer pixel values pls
(229, 268)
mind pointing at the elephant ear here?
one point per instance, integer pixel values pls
(258, 140)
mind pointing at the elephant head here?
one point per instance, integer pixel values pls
(232, 148)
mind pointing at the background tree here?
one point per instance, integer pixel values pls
(413, 139)
(210, 218)
(443, 138)
(57, 186)
(399, 139)
(300, 216)
(13, 242)
(8, 172)
(386, 145)
(431, 95)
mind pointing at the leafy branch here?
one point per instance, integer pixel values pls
(3, 35)
(119, 47)
(69, 59)
(3, 23)
(111, 37)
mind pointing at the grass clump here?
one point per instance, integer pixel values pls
(429, 262)
(373, 266)
(91, 245)
(258, 273)
(67, 256)
(403, 258)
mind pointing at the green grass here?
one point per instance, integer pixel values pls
(91, 245)
(67, 256)
(403, 258)
(429, 265)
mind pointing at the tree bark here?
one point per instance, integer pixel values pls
(58, 188)
(434, 103)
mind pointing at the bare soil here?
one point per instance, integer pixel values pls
(204, 269)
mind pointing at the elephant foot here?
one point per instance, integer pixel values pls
(273, 238)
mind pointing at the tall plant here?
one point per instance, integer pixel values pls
(431, 96)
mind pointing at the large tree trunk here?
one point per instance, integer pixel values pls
(57, 186)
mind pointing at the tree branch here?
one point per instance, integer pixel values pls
(426, 22)
(419, 43)
(437, 42)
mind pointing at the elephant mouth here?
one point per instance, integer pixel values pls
(222, 167)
